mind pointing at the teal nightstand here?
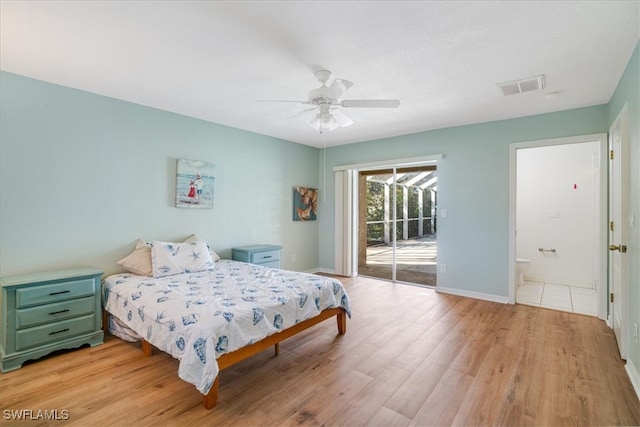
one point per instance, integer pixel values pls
(265, 255)
(44, 312)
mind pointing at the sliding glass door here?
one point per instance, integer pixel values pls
(397, 224)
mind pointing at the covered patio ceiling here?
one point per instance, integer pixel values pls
(426, 180)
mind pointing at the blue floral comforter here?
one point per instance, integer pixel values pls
(197, 317)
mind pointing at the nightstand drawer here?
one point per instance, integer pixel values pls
(28, 317)
(272, 264)
(55, 292)
(54, 332)
(265, 257)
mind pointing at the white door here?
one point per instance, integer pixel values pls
(618, 145)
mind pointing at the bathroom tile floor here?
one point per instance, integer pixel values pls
(558, 297)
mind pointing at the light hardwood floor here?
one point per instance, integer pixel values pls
(411, 356)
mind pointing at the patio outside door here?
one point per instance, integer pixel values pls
(397, 224)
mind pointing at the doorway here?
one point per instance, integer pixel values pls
(397, 224)
(558, 214)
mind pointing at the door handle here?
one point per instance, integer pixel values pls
(621, 248)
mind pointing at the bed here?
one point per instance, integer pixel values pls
(210, 319)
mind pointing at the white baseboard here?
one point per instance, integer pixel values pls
(608, 321)
(634, 376)
(453, 291)
(321, 270)
(471, 294)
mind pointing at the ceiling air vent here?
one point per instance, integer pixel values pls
(522, 85)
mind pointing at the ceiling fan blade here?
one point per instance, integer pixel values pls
(370, 103)
(295, 116)
(283, 100)
(338, 88)
(341, 118)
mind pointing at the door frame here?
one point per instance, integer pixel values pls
(621, 227)
(602, 235)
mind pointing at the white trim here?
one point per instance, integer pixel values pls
(602, 237)
(386, 164)
(560, 141)
(321, 270)
(622, 123)
(634, 376)
(471, 294)
(394, 229)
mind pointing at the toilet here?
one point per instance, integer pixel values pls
(522, 265)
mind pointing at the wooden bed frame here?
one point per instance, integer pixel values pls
(229, 359)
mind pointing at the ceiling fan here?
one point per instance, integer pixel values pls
(327, 101)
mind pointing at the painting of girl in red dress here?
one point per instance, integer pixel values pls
(194, 184)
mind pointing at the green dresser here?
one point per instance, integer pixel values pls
(265, 255)
(48, 311)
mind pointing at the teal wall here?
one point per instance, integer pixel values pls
(473, 185)
(84, 176)
(628, 91)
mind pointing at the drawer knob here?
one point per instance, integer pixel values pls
(57, 312)
(59, 332)
(61, 292)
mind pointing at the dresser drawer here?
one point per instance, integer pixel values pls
(264, 257)
(53, 332)
(28, 317)
(45, 294)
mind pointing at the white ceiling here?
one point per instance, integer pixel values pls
(216, 60)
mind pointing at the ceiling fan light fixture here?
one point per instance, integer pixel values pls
(324, 121)
(332, 124)
(315, 123)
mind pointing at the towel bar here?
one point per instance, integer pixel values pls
(547, 250)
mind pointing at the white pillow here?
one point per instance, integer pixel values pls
(168, 258)
(139, 261)
(194, 238)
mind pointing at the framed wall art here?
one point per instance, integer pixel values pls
(305, 204)
(194, 184)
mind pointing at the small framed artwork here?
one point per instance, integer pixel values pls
(194, 184)
(305, 204)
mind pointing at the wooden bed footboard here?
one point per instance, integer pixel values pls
(226, 360)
